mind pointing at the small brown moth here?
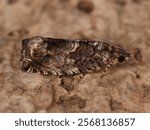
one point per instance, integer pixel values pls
(50, 56)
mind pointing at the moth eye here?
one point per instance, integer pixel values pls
(25, 66)
(25, 42)
(121, 58)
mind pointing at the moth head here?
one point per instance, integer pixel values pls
(33, 51)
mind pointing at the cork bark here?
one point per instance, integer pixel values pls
(123, 88)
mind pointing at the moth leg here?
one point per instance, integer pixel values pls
(54, 70)
(47, 70)
(30, 70)
(103, 73)
(105, 70)
(70, 70)
(78, 77)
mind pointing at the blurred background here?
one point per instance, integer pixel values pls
(125, 88)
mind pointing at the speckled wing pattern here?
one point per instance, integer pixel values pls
(50, 56)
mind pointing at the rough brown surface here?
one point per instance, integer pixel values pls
(124, 88)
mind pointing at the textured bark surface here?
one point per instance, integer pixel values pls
(124, 88)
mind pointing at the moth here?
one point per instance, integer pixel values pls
(49, 56)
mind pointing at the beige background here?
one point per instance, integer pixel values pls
(124, 88)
